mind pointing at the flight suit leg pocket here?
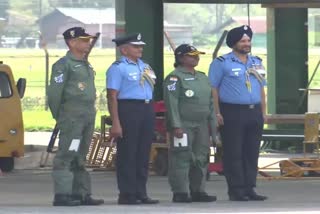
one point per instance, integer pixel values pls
(180, 144)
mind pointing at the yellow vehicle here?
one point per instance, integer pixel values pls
(11, 123)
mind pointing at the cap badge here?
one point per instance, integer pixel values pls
(72, 33)
(245, 27)
(192, 48)
(139, 37)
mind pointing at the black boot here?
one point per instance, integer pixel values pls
(181, 198)
(65, 200)
(202, 197)
(88, 200)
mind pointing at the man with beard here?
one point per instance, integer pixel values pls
(240, 107)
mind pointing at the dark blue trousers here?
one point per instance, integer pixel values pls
(133, 150)
(241, 135)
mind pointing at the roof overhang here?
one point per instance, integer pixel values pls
(282, 3)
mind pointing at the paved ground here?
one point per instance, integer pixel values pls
(28, 189)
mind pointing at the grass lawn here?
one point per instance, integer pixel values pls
(30, 64)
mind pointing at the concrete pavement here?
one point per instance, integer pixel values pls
(28, 189)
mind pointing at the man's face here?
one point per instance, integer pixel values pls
(132, 51)
(243, 46)
(80, 45)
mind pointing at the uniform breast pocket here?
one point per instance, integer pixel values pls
(133, 76)
(236, 74)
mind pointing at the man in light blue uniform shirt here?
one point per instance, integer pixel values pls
(130, 84)
(125, 75)
(237, 81)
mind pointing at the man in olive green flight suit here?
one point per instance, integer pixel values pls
(71, 98)
(189, 103)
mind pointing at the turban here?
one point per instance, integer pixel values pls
(237, 33)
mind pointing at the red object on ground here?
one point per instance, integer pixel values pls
(215, 167)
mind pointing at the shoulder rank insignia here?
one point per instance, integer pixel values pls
(221, 58)
(59, 66)
(258, 58)
(62, 60)
(116, 62)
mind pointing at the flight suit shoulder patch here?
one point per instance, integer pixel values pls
(173, 78)
(171, 82)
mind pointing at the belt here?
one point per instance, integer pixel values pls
(242, 106)
(135, 101)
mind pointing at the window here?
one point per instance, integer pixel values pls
(5, 87)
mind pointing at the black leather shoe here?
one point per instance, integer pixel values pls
(88, 200)
(128, 199)
(65, 200)
(147, 200)
(256, 197)
(202, 197)
(181, 198)
(238, 198)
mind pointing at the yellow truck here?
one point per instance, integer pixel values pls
(11, 123)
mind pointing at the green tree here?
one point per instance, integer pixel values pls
(206, 18)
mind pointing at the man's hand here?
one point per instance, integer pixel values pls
(265, 118)
(220, 119)
(178, 132)
(116, 131)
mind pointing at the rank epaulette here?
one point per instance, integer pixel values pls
(258, 58)
(61, 60)
(116, 62)
(221, 58)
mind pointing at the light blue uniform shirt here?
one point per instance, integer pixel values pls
(125, 75)
(228, 75)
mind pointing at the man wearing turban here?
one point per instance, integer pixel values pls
(237, 83)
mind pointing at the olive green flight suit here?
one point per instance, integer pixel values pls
(189, 106)
(71, 98)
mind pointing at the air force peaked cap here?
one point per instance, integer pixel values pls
(237, 33)
(76, 32)
(186, 49)
(134, 39)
